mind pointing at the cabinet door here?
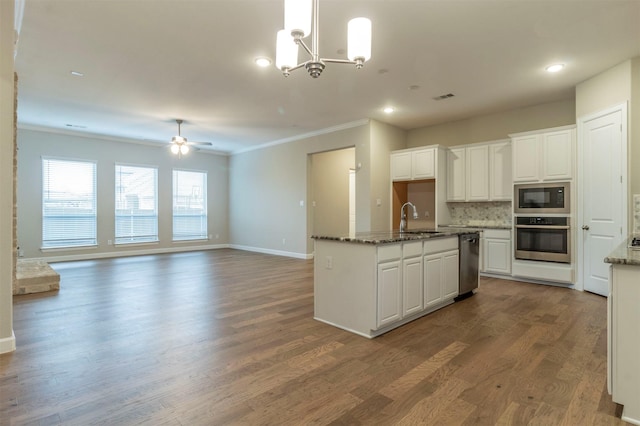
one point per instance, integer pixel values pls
(500, 181)
(526, 158)
(456, 174)
(389, 293)
(497, 256)
(450, 274)
(424, 164)
(557, 148)
(478, 173)
(401, 166)
(412, 285)
(432, 280)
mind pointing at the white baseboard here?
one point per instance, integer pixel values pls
(8, 344)
(304, 256)
(125, 253)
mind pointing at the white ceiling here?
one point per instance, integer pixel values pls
(148, 62)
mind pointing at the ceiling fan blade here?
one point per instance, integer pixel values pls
(200, 143)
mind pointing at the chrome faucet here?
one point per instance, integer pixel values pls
(403, 216)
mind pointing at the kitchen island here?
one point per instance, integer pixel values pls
(371, 283)
(623, 330)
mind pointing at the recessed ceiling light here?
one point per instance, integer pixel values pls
(388, 110)
(77, 74)
(554, 67)
(262, 61)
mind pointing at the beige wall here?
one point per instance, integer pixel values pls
(7, 340)
(267, 185)
(384, 139)
(33, 145)
(329, 197)
(495, 126)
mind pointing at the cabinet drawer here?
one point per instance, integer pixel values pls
(436, 245)
(412, 249)
(390, 252)
(503, 234)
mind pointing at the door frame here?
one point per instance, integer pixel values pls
(623, 107)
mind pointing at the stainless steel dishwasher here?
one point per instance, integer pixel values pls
(469, 255)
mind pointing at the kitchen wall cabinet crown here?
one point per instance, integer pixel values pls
(544, 155)
(413, 164)
(479, 172)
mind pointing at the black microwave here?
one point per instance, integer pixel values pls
(542, 198)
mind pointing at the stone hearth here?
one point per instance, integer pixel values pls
(35, 276)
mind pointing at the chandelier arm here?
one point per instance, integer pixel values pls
(338, 61)
(298, 66)
(301, 42)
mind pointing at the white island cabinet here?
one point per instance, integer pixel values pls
(623, 331)
(372, 286)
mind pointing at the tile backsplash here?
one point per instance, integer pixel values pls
(481, 214)
(636, 214)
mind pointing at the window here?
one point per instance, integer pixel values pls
(136, 204)
(189, 205)
(68, 203)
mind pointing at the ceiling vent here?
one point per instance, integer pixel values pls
(441, 97)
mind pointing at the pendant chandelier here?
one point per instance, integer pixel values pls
(300, 20)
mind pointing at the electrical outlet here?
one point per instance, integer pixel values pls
(20, 253)
(426, 213)
(284, 241)
(329, 262)
(217, 236)
(109, 242)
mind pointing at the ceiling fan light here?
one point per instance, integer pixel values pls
(286, 51)
(297, 16)
(184, 149)
(175, 148)
(359, 39)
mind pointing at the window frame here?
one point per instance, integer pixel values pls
(45, 180)
(204, 218)
(123, 240)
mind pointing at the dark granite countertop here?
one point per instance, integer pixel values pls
(477, 227)
(385, 237)
(623, 255)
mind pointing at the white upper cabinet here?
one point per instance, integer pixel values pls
(500, 188)
(545, 155)
(479, 172)
(456, 180)
(413, 164)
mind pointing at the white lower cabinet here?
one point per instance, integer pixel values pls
(496, 251)
(389, 293)
(441, 274)
(369, 289)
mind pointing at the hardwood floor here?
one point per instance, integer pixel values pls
(228, 337)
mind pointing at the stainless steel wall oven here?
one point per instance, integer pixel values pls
(543, 238)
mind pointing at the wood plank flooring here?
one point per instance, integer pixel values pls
(228, 337)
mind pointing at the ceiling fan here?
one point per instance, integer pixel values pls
(179, 144)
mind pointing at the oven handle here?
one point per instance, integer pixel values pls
(542, 227)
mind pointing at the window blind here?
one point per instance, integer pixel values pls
(136, 204)
(189, 205)
(68, 203)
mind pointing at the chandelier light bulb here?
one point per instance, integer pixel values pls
(297, 17)
(286, 51)
(359, 39)
(175, 148)
(184, 149)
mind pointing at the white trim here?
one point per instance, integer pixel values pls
(156, 144)
(8, 344)
(304, 256)
(535, 132)
(324, 131)
(127, 253)
(580, 122)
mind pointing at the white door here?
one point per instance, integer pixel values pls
(603, 227)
